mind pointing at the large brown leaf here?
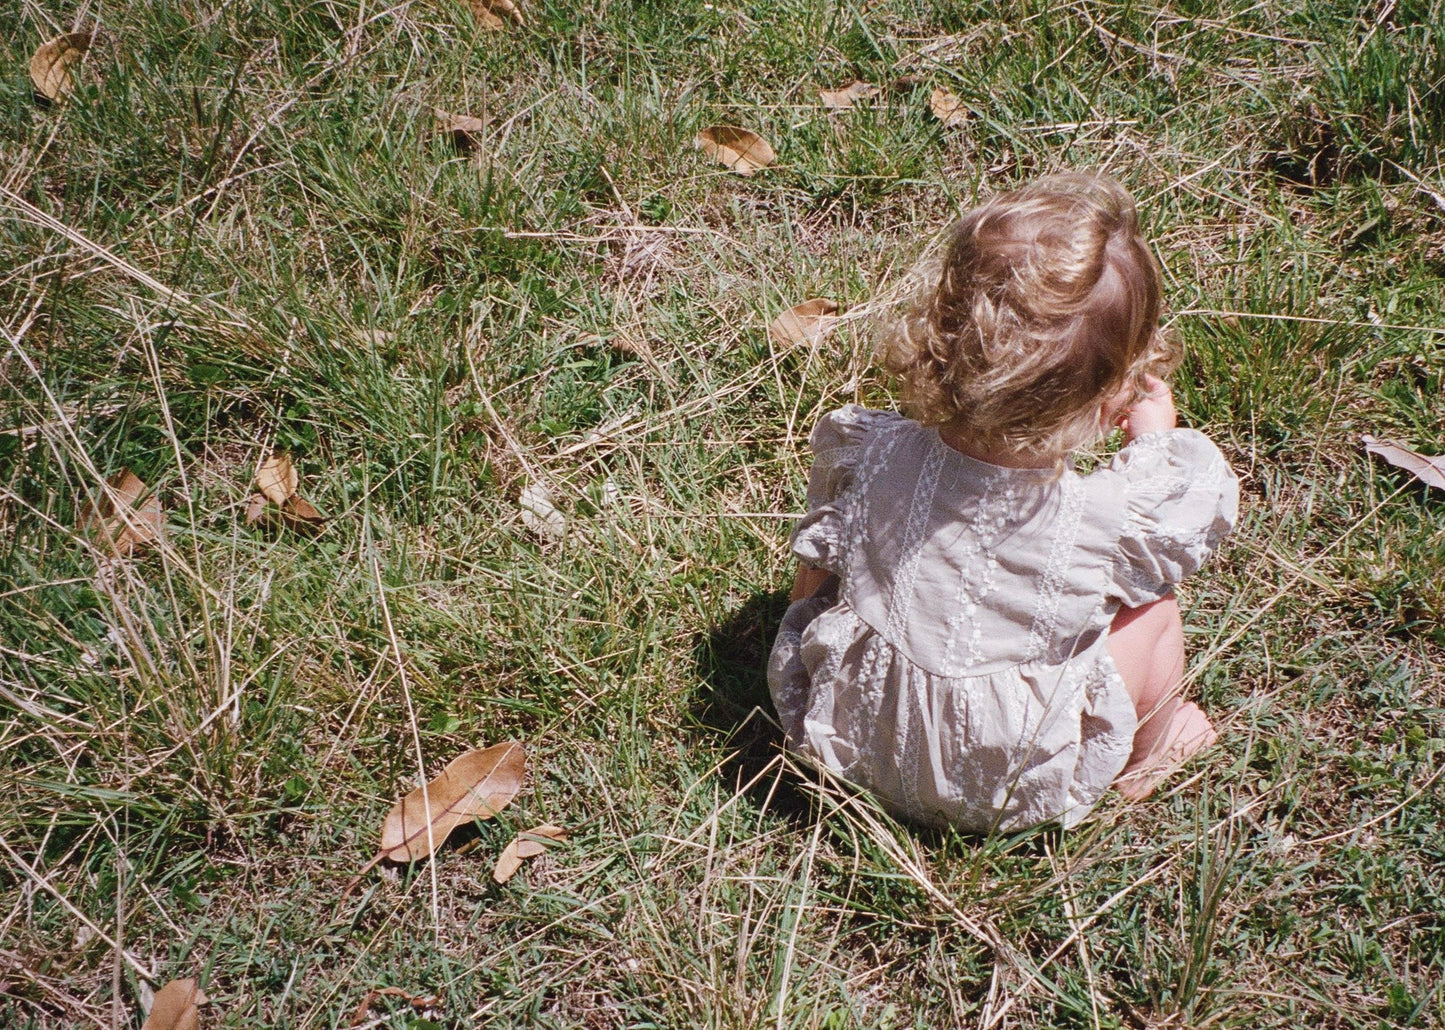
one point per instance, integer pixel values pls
(1428, 469)
(176, 1007)
(477, 785)
(121, 518)
(52, 69)
(741, 150)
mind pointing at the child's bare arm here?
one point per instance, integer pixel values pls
(808, 582)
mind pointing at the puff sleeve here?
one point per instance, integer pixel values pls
(837, 442)
(1181, 499)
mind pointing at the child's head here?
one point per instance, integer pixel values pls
(1045, 314)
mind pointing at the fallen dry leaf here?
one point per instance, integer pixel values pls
(177, 1007)
(741, 150)
(494, 14)
(527, 844)
(124, 521)
(1428, 469)
(477, 785)
(465, 130)
(843, 99)
(948, 108)
(420, 1002)
(277, 479)
(540, 515)
(630, 345)
(52, 69)
(299, 512)
(809, 322)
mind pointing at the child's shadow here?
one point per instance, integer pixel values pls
(733, 709)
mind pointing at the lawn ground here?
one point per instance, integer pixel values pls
(248, 230)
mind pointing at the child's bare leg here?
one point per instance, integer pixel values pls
(1147, 645)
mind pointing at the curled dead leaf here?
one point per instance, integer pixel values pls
(540, 515)
(494, 14)
(299, 513)
(465, 130)
(420, 1002)
(277, 479)
(740, 150)
(527, 844)
(176, 1007)
(52, 69)
(843, 99)
(1428, 469)
(631, 345)
(809, 322)
(477, 785)
(126, 517)
(948, 108)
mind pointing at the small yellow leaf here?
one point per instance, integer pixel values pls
(52, 69)
(843, 99)
(741, 150)
(477, 785)
(121, 518)
(277, 479)
(465, 130)
(809, 322)
(948, 108)
(494, 14)
(527, 844)
(176, 1007)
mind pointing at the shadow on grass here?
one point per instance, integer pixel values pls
(733, 711)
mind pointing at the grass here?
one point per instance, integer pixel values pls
(243, 233)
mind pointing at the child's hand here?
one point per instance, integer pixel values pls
(1153, 412)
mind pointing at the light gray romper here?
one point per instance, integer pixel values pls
(958, 669)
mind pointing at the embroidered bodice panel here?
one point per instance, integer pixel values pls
(968, 567)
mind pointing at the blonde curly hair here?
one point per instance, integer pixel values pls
(1045, 308)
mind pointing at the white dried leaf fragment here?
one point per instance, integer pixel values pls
(540, 514)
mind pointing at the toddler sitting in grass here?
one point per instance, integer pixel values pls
(979, 635)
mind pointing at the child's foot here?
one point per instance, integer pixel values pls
(1188, 732)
